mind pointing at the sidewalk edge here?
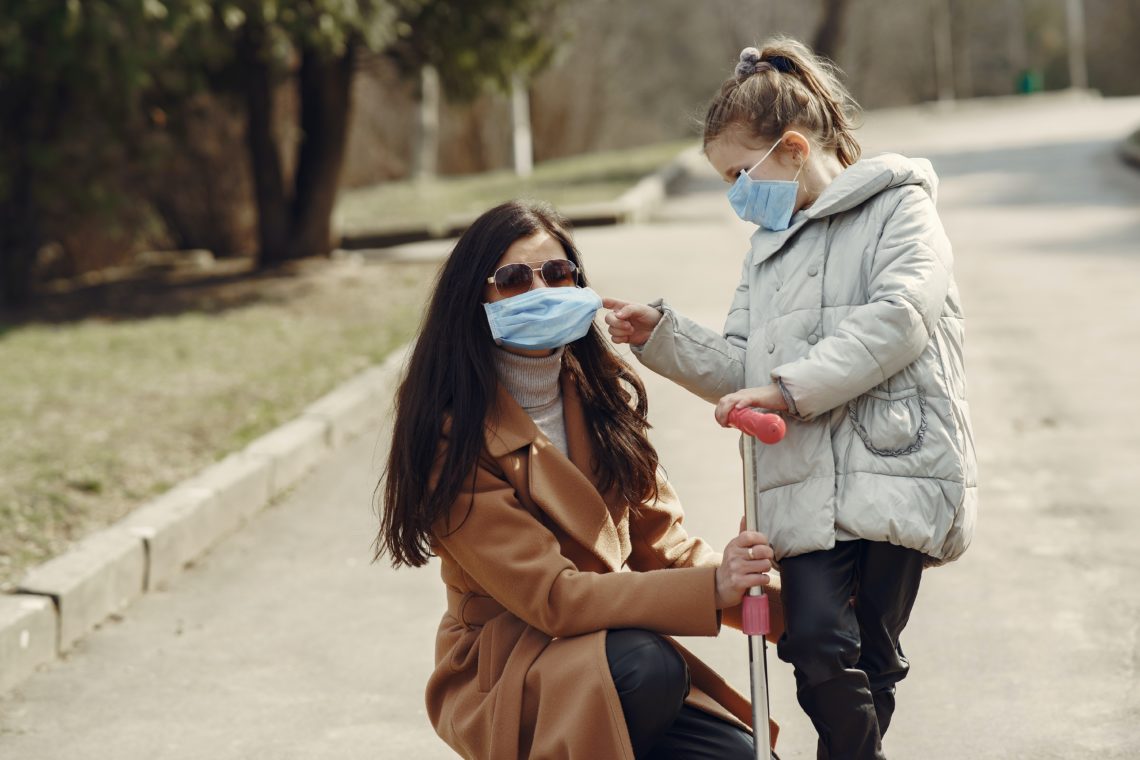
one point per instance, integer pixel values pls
(60, 601)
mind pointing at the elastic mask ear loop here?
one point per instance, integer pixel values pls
(775, 145)
(802, 162)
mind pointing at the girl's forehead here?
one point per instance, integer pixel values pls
(538, 247)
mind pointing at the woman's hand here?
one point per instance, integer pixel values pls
(630, 323)
(744, 564)
(765, 397)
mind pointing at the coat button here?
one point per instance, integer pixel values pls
(813, 270)
(771, 347)
(813, 339)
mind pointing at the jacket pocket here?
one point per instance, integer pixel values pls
(890, 424)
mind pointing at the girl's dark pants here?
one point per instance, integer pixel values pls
(846, 656)
(652, 681)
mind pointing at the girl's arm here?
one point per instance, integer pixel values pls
(910, 277)
(705, 362)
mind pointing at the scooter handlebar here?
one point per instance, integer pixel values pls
(763, 426)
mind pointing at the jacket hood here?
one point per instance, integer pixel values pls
(865, 179)
(854, 186)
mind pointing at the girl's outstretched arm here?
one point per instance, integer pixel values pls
(703, 361)
(910, 277)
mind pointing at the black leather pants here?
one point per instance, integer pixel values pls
(847, 657)
(652, 681)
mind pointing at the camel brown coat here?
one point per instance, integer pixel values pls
(538, 565)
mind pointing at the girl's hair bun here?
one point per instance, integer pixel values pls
(748, 63)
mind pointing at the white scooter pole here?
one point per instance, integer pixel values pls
(768, 428)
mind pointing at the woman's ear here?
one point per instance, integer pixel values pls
(797, 146)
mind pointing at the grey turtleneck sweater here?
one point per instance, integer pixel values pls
(533, 383)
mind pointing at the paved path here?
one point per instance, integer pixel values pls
(286, 643)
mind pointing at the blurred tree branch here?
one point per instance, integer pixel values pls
(829, 31)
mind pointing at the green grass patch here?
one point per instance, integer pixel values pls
(101, 414)
(564, 182)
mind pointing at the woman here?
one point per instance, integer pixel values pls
(520, 458)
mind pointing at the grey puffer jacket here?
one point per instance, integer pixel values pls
(853, 310)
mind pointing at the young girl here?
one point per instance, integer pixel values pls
(847, 319)
(520, 457)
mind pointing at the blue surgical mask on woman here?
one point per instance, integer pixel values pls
(766, 202)
(543, 318)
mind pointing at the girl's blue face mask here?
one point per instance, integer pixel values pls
(766, 202)
(543, 318)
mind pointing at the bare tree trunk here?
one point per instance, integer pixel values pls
(265, 156)
(325, 84)
(19, 241)
(1018, 53)
(829, 31)
(943, 50)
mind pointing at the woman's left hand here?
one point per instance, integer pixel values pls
(744, 564)
(765, 397)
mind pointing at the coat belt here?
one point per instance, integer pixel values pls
(470, 609)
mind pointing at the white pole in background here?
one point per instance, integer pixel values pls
(427, 150)
(520, 127)
(1078, 63)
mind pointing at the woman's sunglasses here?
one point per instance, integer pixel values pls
(515, 279)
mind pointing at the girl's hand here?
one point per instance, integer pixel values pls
(765, 397)
(630, 323)
(744, 564)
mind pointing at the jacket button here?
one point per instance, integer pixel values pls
(771, 347)
(813, 339)
(813, 270)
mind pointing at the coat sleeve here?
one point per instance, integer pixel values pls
(659, 539)
(518, 561)
(909, 280)
(702, 361)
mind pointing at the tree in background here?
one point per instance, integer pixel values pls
(474, 46)
(317, 42)
(829, 31)
(73, 80)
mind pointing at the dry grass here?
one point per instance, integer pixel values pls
(99, 414)
(563, 182)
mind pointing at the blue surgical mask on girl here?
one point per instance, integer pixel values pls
(543, 318)
(766, 202)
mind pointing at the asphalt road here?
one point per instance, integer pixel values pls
(285, 642)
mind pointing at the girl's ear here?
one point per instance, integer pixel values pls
(796, 145)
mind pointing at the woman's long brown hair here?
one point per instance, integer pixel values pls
(452, 373)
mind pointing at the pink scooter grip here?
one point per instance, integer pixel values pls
(754, 615)
(765, 427)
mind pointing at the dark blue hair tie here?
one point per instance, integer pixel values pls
(781, 64)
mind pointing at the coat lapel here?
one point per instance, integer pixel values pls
(562, 487)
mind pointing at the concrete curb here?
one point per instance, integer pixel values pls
(61, 600)
(1130, 149)
(633, 206)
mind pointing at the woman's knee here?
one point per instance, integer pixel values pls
(644, 661)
